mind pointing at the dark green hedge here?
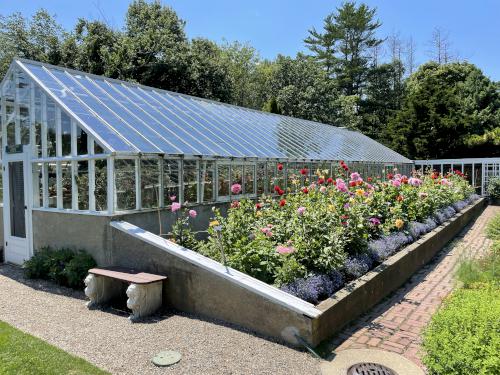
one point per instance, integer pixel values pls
(63, 266)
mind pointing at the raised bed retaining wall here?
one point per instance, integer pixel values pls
(362, 294)
(203, 286)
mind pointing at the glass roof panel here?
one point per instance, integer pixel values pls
(82, 113)
(130, 117)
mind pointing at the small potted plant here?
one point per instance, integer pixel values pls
(493, 190)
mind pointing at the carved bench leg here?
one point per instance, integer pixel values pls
(100, 289)
(144, 299)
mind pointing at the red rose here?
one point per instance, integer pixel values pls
(235, 204)
(258, 206)
(352, 183)
(303, 171)
(390, 176)
(369, 179)
(281, 191)
(282, 202)
(305, 190)
(277, 188)
(329, 180)
(321, 181)
(280, 167)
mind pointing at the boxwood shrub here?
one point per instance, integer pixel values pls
(63, 266)
(464, 335)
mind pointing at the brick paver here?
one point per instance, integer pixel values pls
(396, 323)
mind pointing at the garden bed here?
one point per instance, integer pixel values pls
(204, 286)
(362, 294)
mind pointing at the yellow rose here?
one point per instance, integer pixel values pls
(213, 223)
(399, 223)
(331, 207)
(359, 192)
(258, 213)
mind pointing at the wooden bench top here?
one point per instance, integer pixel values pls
(127, 274)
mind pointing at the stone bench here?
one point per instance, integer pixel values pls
(144, 291)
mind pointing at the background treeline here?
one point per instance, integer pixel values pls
(351, 76)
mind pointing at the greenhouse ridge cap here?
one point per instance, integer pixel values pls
(129, 109)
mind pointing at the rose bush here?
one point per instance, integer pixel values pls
(328, 226)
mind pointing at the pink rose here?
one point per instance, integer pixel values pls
(176, 206)
(236, 188)
(193, 213)
(301, 210)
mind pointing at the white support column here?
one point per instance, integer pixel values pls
(111, 184)
(74, 168)
(138, 190)
(59, 185)
(44, 126)
(201, 168)
(161, 189)
(32, 129)
(91, 187)
(180, 170)
(17, 116)
(4, 125)
(58, 132)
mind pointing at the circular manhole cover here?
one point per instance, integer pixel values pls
(167, 358)
(369, 368)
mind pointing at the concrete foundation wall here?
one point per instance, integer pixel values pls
(74, 231)
(193, 289)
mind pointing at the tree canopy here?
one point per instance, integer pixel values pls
(444, 108)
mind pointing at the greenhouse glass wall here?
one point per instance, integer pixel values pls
(78, 143)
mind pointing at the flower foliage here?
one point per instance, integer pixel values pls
(344, 224)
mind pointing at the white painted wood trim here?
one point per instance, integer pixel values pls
(247, 282)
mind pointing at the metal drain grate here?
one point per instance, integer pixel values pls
(370, 369)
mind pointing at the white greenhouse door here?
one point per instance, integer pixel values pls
(16, 209)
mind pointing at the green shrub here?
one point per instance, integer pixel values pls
(493, 188)
(77, 268)
(464, 335)
(58, 260)
(39, 265)
(486, 270)
(63, 266)
(493, 229)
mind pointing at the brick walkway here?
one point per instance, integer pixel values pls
(395, 324)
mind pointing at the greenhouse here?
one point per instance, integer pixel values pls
(84, 144)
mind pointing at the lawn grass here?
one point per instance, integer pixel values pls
(23, 354)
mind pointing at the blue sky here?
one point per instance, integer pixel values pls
(279, 26)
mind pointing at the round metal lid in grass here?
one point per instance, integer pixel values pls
(167, 358)
(368, 368)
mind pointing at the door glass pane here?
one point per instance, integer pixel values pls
(16, 187)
